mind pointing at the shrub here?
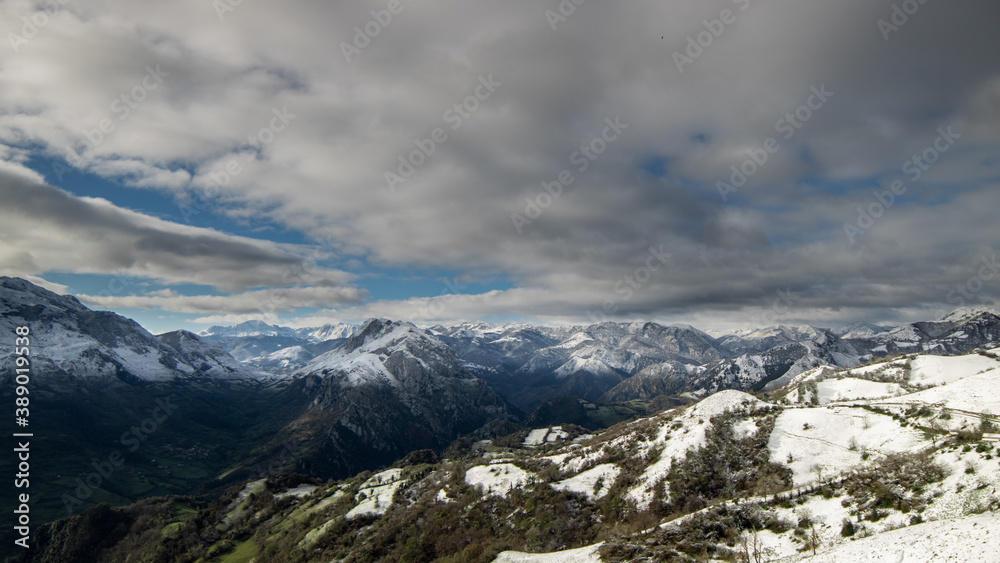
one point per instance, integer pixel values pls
(726, 466)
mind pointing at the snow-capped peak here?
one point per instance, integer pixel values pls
(963, 314)
(381, 350)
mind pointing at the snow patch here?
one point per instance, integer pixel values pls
(536, 437)
(826, 441)
(539, 436)
(595, 482)
(849, 389)
(375, 495)
(589, 554)
(972, 538)
(297, 492)
(498, 479)
(939, 370)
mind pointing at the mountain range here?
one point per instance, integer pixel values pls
(335, 401)
(617, 362)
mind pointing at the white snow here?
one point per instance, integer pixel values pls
(833, 439)
(536, 437)
(974, 538)
(556, 433)
(725, 401)
(966, 313)
(358, 367)
(974, 393)
(498, 479)
(892, 368)
(685, 432)
(587, 482)
(375, 495)
(539, 436)
(961, 493)
(849, 389)
(576, 340)
(809, 375)
(745, 428)
(365, 363)
(588, 554)
(297, 492)
(578, 364)
(938, 370)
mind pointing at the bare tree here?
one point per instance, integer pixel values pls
(818, 470)
(753, 548)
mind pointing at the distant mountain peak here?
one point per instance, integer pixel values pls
(963, 314)
(381, 332)
(248, 328)
(73, 341)
(862, 330)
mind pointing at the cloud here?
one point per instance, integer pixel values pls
(48, 229)
(259, 302)
(323, 173)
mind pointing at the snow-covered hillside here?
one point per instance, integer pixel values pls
(935, 404)
(70, 340)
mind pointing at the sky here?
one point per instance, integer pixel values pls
(719, 163)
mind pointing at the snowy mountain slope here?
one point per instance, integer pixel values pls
(822, 441)
(328, 332)
(275, 348)
(71, 341)
(531, 364)
(861, 330)
(389, 389)
(961, 331)
(247, 329)
(762, 339)
(210, 359)
(972, 538)
(665, 378)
